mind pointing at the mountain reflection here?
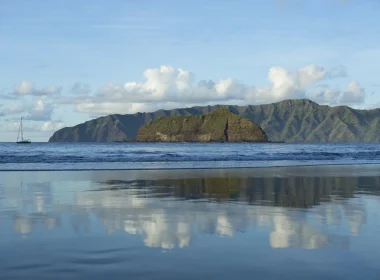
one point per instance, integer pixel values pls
(300, 212)
(302, 192)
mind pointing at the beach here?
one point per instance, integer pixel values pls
(306, 221)
(189, 140)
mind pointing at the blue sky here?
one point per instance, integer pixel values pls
(63, 62)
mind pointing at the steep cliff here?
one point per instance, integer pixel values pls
(298, 120)
(218, 126)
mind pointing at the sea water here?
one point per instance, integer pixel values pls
(88, 156)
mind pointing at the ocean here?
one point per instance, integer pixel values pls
(110, 156)
(189, 211)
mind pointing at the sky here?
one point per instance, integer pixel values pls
(64, 62)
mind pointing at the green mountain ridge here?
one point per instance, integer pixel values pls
(291, 120)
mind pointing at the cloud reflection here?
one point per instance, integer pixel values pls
(308, 213)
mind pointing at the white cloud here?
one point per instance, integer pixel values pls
(102, 108)
(23, 88)
(325, 95)
(46, 127)
(27, 88)
(354, 94)
(40, 111)
(169, 86)
(51, 126)
(166, 87)
(125, 108)
(290, 84)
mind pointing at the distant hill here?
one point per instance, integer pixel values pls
(298, 120)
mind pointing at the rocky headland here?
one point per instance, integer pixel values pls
(218, 126)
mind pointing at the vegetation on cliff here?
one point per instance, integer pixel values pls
(218, 126)
(299, 120)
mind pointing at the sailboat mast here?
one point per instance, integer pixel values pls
(22, 134)
(18, 134)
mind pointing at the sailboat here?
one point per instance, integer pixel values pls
(20, 133)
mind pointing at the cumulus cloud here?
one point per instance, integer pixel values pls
(290, 84)
(172, 87)
(177, 85)
(45, 127)
(51, 126)
(23, 88)
(325, 95)
(167, 87)
(40, 111)
(112, 107)
(28, 88)
(354, 94)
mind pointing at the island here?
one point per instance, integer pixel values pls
(221, 125)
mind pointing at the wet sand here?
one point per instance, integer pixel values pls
(303, 171)
(272, 223)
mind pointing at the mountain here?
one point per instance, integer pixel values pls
(217, 126)
(297, 120)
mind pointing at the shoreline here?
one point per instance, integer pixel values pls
(284, 171)
(340, 165)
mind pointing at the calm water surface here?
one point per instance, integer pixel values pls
(189, 225)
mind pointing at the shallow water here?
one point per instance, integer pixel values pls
(190, 225)
(88, 156)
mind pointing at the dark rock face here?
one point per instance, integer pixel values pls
(298, 120)
(218, 126)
